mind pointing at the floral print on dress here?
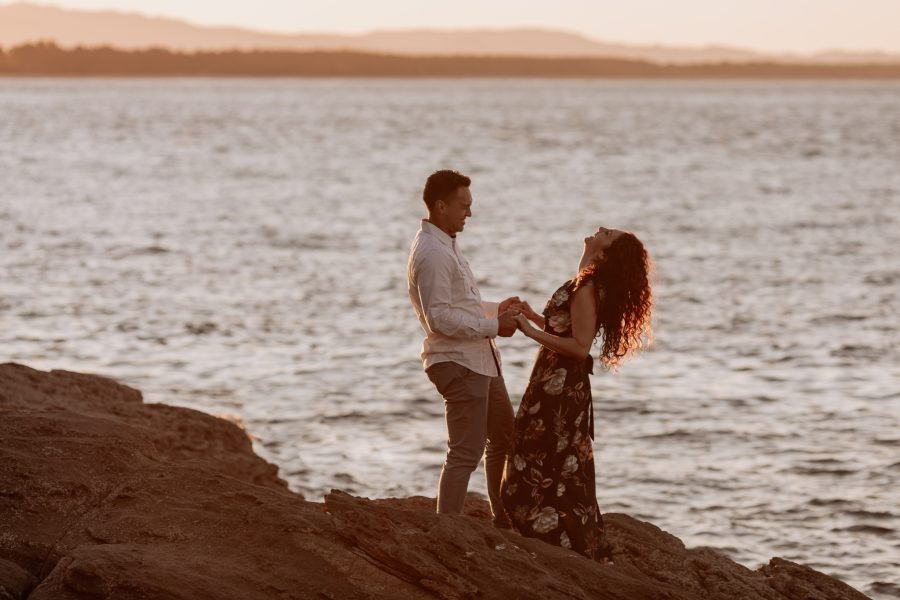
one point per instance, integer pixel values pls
(546, 519)
(560, 297)
(548, 487)
(560, 322)
(555, 383)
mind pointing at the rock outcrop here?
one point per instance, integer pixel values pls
(103, 496)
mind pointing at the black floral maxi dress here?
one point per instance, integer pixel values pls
(548, 484)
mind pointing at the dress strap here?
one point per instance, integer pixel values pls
(589, 367)
(591, 421)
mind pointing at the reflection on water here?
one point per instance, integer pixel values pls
(240, 247)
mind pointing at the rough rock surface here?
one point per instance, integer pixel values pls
(103, 496)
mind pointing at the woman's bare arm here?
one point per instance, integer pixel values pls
(534, 317)
(584, 327)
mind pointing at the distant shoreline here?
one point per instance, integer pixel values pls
(49, 60)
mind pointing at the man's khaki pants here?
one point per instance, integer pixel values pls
(479, 423)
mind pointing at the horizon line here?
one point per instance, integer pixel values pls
(47, 59)
(700, 46)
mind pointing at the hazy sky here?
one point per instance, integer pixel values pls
(775, 25)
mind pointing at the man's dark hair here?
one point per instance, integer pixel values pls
(441, 184)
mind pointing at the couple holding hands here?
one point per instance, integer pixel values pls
(539, 464)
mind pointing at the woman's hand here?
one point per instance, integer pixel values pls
(524, 325)
(531, 314)
(508, 303)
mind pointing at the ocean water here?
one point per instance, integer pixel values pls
(239, 246)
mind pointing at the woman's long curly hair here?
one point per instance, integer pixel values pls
(621, 281)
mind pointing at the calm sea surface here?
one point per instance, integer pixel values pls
(239, 246)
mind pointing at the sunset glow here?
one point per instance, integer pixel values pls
(770, 25)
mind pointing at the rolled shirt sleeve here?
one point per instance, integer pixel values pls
(458, 325)
(433, 281)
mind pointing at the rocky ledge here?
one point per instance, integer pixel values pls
(103, 496)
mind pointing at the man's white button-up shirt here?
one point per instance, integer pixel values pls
(459, 325)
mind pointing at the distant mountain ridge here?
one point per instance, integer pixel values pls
(25, 22)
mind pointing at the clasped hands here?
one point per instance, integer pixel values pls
(515, 313)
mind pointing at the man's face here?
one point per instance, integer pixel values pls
(457, 208)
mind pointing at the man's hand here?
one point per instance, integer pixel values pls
(507, 304)
(507, 323)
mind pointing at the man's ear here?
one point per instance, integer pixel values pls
(440, 206)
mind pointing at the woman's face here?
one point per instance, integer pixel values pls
(595, 245)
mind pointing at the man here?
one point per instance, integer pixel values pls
(458, 353)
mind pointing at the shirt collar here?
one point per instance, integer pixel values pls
(431, 228)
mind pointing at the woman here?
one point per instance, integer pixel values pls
(548, 485)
